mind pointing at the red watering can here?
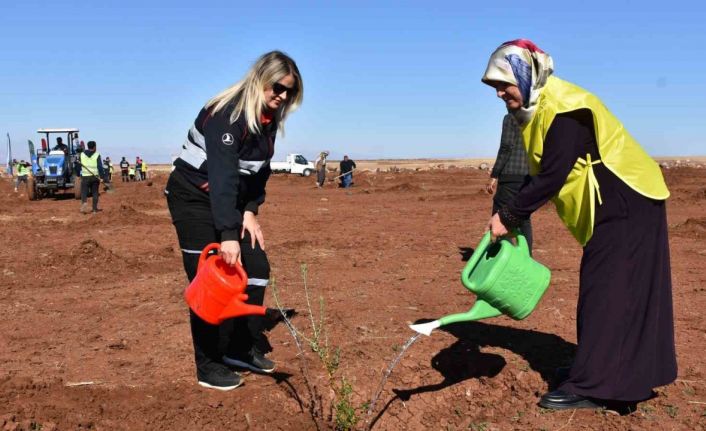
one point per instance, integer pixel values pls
(218, 290)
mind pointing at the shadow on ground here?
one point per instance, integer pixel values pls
(463, 359)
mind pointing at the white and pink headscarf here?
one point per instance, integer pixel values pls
(520, 62)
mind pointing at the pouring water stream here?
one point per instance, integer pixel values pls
(393, 364)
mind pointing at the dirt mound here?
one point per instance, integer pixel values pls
(128, 211)
(403, 187)
(695, 227)
(91, 251)
(127, 215)
(463, 196)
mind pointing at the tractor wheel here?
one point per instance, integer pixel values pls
(31, 189)
(77, 187)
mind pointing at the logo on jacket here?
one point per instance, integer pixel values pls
(227, 139)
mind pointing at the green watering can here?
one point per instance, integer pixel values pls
(504, 277)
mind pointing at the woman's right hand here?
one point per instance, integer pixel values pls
(496, 227)
(490, 187)
(230, 252)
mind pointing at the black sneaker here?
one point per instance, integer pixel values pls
(255, 361)
(218, 376)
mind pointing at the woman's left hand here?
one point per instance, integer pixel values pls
(496, 227)
(251, 225)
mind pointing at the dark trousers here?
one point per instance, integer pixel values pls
(506, 191)
(235, 337)
(90, 183)
(125, 176)
(21, 179)
(321, 176)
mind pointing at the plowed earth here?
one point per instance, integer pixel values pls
(94, 331)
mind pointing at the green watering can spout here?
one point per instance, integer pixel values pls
(480, 310)
(504, 277)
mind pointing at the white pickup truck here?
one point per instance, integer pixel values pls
(294, 164)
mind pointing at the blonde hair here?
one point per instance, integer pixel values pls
(246, 97)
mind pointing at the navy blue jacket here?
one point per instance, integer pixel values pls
(229, 164)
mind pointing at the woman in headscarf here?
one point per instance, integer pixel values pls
(611, 196)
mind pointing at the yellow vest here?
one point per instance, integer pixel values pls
(144, 167)
(620, 153)
(90, 165)
(22, 171)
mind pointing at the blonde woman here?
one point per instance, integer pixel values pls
(214, 193)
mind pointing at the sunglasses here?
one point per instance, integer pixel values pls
(278, 89)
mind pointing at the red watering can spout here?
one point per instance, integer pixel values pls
(237, 308)
(218, 290)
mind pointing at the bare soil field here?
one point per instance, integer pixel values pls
(95, 334)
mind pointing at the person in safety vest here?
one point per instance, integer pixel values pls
(91, 173)
(611, 196)
(22, 170)
(131, 173)
(125, 170)
(143, 169)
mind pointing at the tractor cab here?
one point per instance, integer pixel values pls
(55, 166)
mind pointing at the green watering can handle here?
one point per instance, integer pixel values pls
(480, 250)
(522, 242)
(481, 309)
(473, 261)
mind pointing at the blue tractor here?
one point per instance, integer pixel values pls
(55, 169)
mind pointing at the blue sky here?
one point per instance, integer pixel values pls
(382, 79)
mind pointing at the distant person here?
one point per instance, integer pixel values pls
(611, 196)
(61, 146)
(125, 170)
(138, 169)
(91, 173)
(131, 173)
(77, 143)
(347, 167)
(108, 167)
(510, 171)
(143, 170)
(23, 171)
(320, 167)
(214, 194)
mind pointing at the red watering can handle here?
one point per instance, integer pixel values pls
(216, 246)
(206, 250)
